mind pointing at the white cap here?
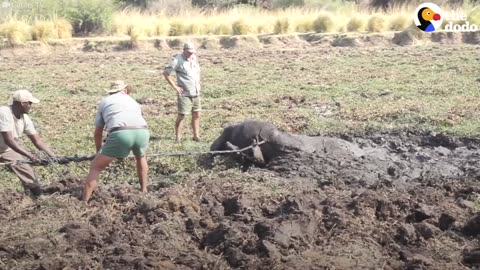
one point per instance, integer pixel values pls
(189, 46)
(24, 96)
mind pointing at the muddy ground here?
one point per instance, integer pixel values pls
(304, 211)
(408, 202)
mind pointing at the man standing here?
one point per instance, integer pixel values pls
(14, 121)
(187, 87)
(121, 116)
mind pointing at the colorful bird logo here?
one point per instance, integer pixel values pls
(427, 17)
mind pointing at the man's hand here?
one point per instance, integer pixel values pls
(54, 158)
(34, 159)
(179, 90)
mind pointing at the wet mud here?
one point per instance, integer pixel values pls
(406, 200)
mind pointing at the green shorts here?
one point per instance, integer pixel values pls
(120, 143)
(186, 105)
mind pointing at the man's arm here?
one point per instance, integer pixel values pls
(170, 81)
(10, 142)
(98, 135)
(38, 142)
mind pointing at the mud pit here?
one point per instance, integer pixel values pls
(396, 201)
(406, 159)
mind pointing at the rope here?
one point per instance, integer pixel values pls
(66, 160)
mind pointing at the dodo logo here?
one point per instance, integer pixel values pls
(428, 17)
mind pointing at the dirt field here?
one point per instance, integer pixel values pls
(410, 201)
(304, 212)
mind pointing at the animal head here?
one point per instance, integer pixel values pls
(428, 15)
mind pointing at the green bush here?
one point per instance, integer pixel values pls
(323, 23)
(91, 16)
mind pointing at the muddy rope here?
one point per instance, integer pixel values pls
(66, 160)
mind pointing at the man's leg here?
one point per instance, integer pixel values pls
(98, 165)
(139, 149)
(142, 172)
(23, 171)
(196, 125)
(196, 108)
(179, 127)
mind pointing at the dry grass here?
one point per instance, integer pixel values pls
(244, 20)
(377, 23)
(177, 28)
(16, 32)
(474, 16)
(356, 24)
(236, 21)
(399, 22)
(282, 26)
(324, 23)
(43, 30)
(240, 27)
(134, 32)
(304, 25)
(264, 28)
(63, 28)
(222, 29)
(196, 29)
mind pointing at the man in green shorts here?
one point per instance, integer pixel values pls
(121, 116)
(187, 87)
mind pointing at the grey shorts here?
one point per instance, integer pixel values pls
(187, 105)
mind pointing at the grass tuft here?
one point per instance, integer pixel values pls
(96, 17)
(43, 30)
(240, 27)
(304, 25)
(356, 24)
(282, 26)
(377, 23)
(177, 28)
(324, 23)
(63, 28)
(399, 22)
(222, 29)
(16, 32)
